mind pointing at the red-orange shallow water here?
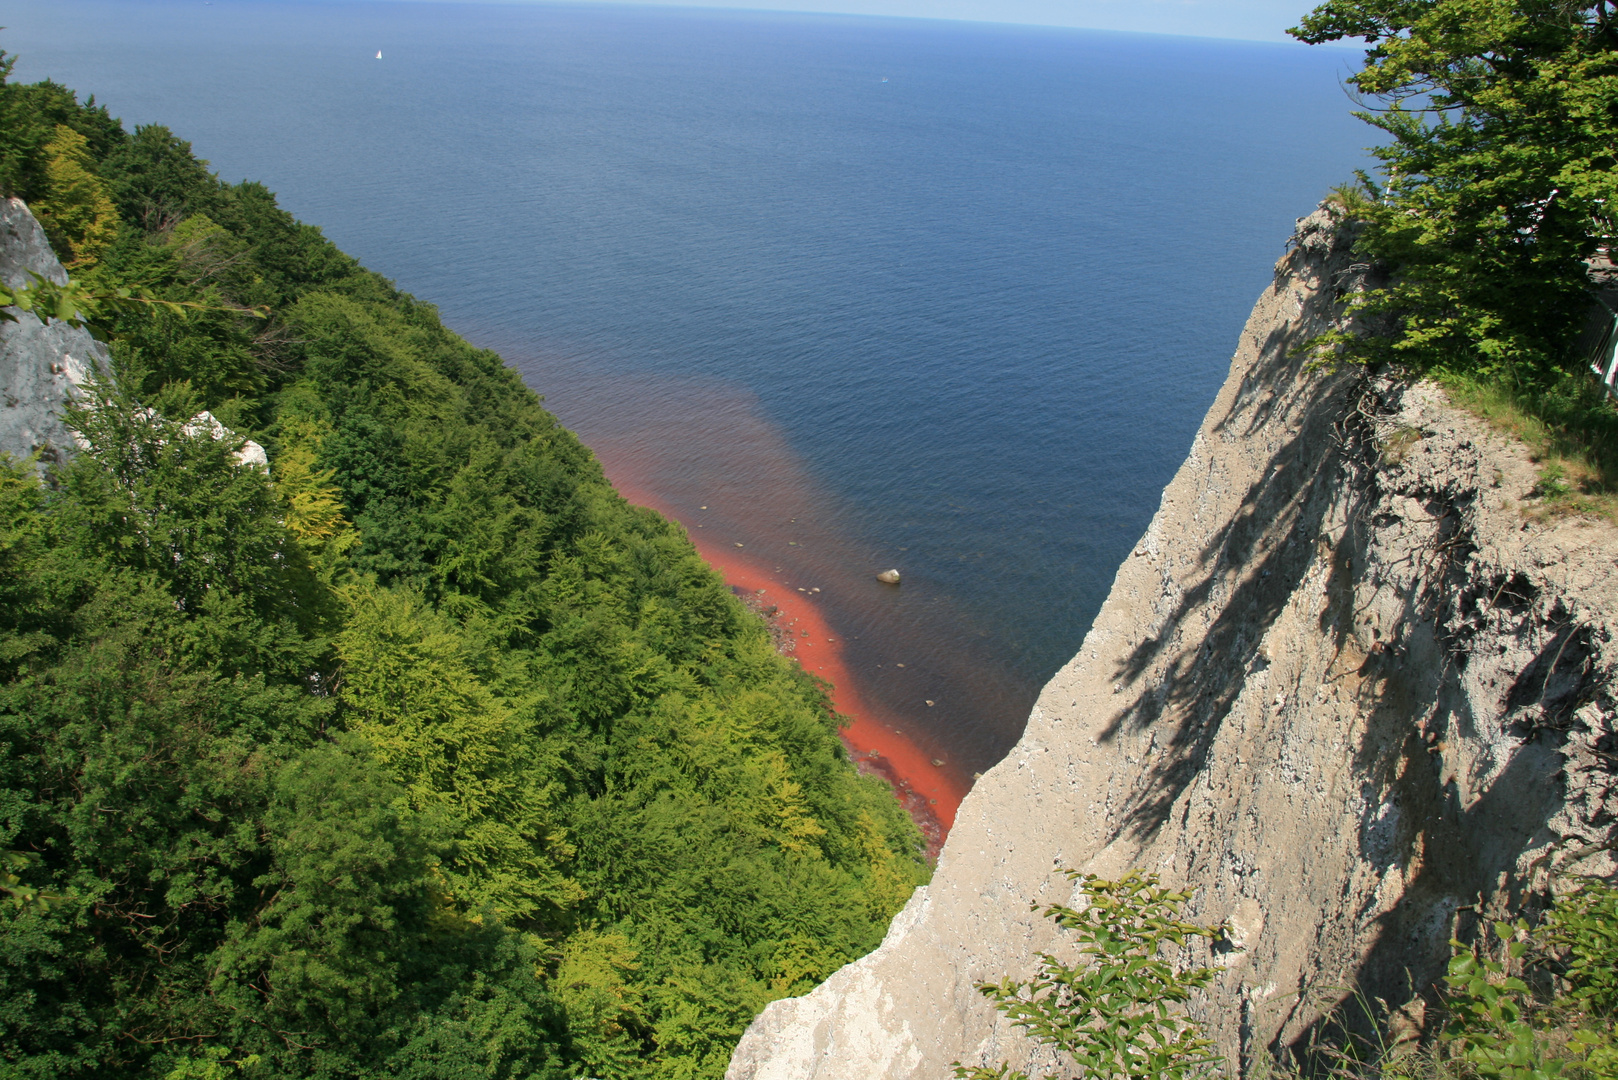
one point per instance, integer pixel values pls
(927, 702)
(928, 792)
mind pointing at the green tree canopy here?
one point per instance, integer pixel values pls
(423, 755)
(1499, 176)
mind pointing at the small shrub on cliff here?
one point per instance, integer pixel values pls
(1501, 1029)
(1585, 924)
(1117, 1014)
(1520, 1005)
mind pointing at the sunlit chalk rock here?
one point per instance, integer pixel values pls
(251, 453)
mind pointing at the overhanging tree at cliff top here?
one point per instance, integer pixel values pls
(1499, 176)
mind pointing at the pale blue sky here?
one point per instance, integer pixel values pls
(1253, 20)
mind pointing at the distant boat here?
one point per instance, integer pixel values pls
(379, 54)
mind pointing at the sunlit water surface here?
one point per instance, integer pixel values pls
(850, 292)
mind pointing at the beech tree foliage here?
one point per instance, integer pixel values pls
(425, 755)
(1498, 182)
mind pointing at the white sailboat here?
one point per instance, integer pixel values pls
(379, 54)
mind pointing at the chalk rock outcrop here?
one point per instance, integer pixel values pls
(41, 365)
(1349, 686)
(44, 365)
(251, 453)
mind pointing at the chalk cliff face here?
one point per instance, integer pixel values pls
(1347, 686)
(40, 365)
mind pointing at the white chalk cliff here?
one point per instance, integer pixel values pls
(1348, 686)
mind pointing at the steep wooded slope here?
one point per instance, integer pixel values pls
(424, 754)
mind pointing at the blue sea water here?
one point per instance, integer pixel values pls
(853, 292)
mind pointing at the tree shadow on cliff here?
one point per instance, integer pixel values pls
(1250, 569)
(1456, 849)
(1253, 567)
(1448, 847)
(1327, 471)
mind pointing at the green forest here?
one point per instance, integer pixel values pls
(425, 755)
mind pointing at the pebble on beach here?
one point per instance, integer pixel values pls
(888, 577)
